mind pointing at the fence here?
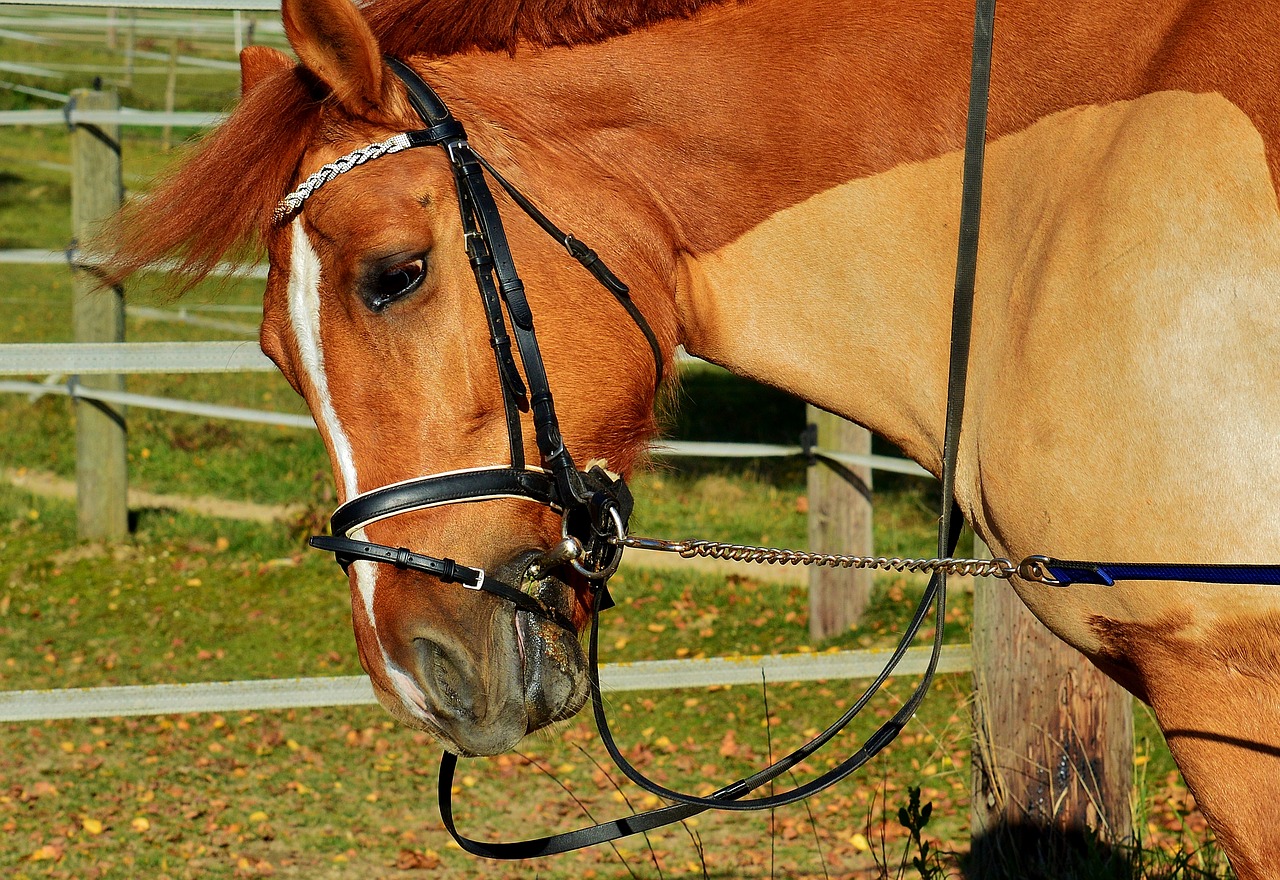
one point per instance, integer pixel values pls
(355, 690)
(73, 360)
(86, 359)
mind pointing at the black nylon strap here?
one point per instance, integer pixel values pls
(546, 425)
(515, 397)
(348, 550)
(437, 134)
(1069, 572)
(554, 843)
(590, 260)
(426, 103)
(480, 212)
(966, 256)
(950, 523)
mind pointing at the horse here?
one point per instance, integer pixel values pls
(776, 181)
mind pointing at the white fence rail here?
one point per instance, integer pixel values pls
(73, 360)
(83, 359)
(216, 5)
(123, 116)
(185, 28)
(355, 690)
(104, 358)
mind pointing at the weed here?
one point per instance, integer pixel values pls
(927, 859)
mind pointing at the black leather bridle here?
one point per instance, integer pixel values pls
(596, 506)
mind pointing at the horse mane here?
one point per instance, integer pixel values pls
(447, 27)
(219, 201)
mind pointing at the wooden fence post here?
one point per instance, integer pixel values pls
(170, 96)
(97, 316)
(1053, 740)
(839, 522)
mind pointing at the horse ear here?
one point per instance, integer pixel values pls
(259, 62)
(334, 42)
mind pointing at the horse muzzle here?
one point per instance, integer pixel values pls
(484, 674)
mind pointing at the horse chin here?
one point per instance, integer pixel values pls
(554, 665)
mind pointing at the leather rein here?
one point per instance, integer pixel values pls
(594, 505)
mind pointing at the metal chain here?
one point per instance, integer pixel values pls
(689, 549)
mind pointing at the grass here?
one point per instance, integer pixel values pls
(189, 600)
(343, 792)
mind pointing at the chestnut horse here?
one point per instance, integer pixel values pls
(777, 180)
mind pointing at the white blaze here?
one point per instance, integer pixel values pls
(304, 316)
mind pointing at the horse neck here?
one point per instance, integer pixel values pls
(801, 163)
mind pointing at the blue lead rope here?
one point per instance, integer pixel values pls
(1068, 572)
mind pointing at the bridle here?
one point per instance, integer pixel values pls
(595, 506)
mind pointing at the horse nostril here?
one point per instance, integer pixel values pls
(447, 682)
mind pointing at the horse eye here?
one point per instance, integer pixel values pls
(396, 282)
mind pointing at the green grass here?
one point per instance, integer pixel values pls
(189, 600)
(347, 794)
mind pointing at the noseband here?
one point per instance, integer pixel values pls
(594, 505)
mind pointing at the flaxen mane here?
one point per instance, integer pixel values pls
(220, 199)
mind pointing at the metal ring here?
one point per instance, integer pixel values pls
(620, 528)
(613, 541)
(592, 574)
(1036, 569)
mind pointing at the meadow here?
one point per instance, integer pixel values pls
(344, 792)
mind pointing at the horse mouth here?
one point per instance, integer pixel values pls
(499, 672)
(552, 661)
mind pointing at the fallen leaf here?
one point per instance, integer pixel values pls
(408, 860)
(46, 853)
(38, 790)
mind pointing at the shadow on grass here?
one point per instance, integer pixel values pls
(1034, 852)
(710, 404)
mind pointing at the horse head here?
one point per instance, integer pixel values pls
(371, 312)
